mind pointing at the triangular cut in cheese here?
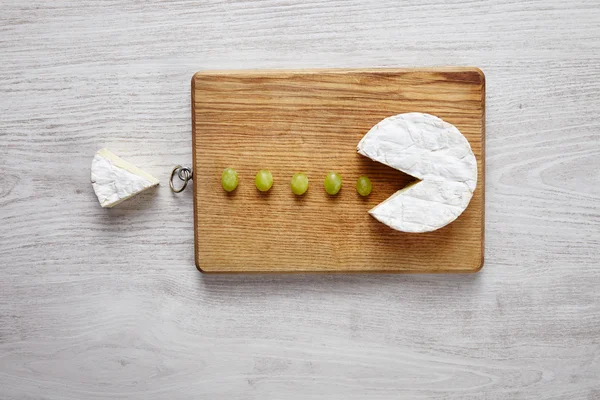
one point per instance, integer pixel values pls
(115, 180)
(436, 153)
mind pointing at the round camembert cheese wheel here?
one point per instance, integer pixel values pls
(436, 153)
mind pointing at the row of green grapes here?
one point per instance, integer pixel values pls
(299, 183)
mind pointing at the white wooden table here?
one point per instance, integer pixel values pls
(98, 304)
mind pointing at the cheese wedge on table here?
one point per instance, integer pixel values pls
(436, 153)
(115, 180)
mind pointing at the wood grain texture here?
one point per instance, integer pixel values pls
(311, 121)
(98, 304)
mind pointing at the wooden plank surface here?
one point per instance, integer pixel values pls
(311, 121)
(107, 304)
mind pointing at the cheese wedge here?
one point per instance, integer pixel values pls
(115, 180)
(436, 153)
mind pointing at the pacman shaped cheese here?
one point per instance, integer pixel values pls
(438, 155)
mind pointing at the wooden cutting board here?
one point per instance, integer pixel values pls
(311, 121)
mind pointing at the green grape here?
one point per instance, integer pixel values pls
(263, 180)
(229, 179)
(364, 186)
(333, 183)
(299, 183)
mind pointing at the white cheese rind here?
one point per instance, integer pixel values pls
(432, 150)
(115, 180)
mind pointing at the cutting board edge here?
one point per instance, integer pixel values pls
(467, 270)
(257, 71)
